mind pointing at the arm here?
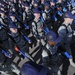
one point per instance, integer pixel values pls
(65, 43)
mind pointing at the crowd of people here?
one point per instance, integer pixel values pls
(51, 22)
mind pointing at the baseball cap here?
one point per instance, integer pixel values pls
(47, 4)
(69, 15)
(36, 10)
(11, 14)
(12, 25)
(31, 68)
(52, 36)
(52, 1)
(26, 4)
(35, 2)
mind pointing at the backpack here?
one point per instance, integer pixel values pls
(31, 68)
(36, 29)
(56, 31)
(29, 16)
(48, 18)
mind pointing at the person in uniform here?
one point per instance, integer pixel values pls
(37, 27)
(66, 33)
(46, 15)
(50, 55)
(27, 16)
(18, 41)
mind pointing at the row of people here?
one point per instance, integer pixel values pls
(46, 20)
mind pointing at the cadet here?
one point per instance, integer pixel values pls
(37, 27)
(12, 18)
(5, 45)
(66, 33)
(50, 55)
(54, 19)
(19, 40)
(46, 15)
(27, 14)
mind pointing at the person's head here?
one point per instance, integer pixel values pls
(35, 4)
(27, 6)
(13, 28)
(12, 16)
(23, 5)
(10, 2)
(52, 2)
(68, 17)
(36, 13)
(47, 5)
(1, 8)
(60, 1)
(52, 38)
(42, 1)
(15, 1)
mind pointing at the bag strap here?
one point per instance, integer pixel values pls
(65, 27)
(35, 25)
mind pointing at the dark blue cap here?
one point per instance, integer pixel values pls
(47, 4)
(51, 36)
(36, 10)
(12, 25)
(69, 15)
(11, 14)
(25, 4)
(31, 68)
(35, 2)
